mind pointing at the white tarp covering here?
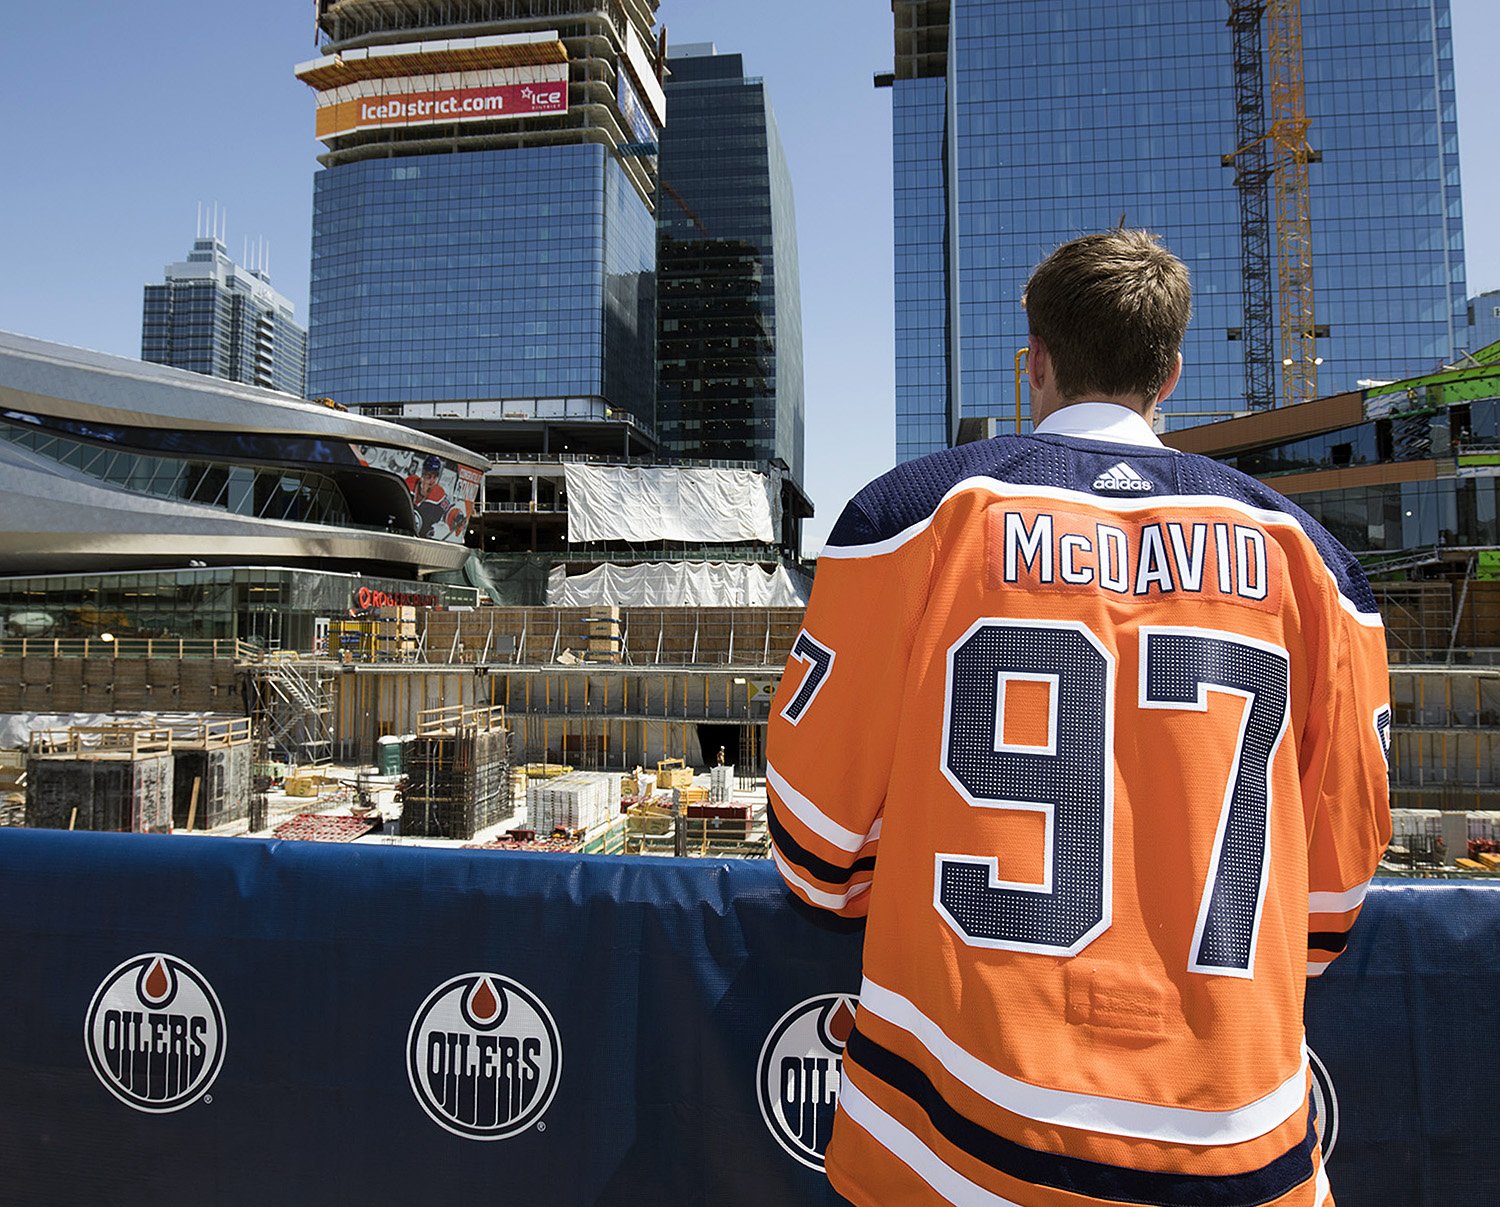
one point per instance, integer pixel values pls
(670, 503)
(676, 584)
(16, 728)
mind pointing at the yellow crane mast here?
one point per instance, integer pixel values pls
(1288, 134)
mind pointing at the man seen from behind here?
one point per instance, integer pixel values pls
(1093, 732)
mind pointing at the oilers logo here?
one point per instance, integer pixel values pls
(483, 1056)
(1325, 1105)
(154, 1033)
(799, 1071)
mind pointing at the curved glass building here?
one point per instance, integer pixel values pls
(112, 463)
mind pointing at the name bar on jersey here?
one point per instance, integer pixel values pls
(1215, 558)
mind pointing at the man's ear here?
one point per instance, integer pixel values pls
(1038, 363)
(1171, 383)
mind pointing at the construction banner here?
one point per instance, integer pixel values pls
(231, 1021)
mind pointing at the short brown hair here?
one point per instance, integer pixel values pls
(1112, 310)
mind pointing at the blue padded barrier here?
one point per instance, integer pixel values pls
(232, 1021)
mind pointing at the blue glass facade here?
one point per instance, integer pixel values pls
(516, 273)
(1050, 121)
(730, 372)
(922, 277)
(1484, 320)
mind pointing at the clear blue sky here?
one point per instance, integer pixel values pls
(120, 118)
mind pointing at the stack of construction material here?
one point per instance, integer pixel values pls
(673, 773)
(107, 778)
(384, 635)
(649, 818)
(324, 827)
(720, 784)
(396, 634)
(12, 787)
(211, 774)
(458, 773)
(545, 771)
(572, 802)
(605, 639)
(725, 822)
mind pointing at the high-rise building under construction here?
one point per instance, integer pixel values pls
(484, 239)
(1019, 126)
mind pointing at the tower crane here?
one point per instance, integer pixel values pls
(1289, 155)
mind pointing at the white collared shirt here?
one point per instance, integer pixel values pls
(1099, 421)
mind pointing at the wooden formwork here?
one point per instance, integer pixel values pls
(644, 636)
(102, 741)
(1425, 621)
(590, 716)
(94, 681)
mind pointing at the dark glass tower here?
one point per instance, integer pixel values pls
(216, 317)
(1019, 126)
(484, 238)
(730, 311)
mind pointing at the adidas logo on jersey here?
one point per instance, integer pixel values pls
(1121, 477)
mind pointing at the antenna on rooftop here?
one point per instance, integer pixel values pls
(198, 229)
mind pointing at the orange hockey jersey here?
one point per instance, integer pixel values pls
(1094, 733)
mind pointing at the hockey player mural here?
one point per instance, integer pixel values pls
(442, 493)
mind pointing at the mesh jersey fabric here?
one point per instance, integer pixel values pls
(1094, 736)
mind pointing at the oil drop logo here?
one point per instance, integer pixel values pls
(1325, 1105)
(154, 1033)
(798, 1075)
(483, 1056)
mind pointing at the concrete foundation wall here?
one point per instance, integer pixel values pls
(223, 777)
(108, 793)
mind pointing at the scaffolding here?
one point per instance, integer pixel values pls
(293, 708)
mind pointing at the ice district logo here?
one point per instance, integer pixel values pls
(1325, 1105)
(798, 1075)
(483, 1056)
(155, 1033)
(1121, 476)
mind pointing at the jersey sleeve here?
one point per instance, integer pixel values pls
(835, 716)
(1349, 806)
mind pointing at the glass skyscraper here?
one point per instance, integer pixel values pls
(483, 226)
(1018, 126)
(730, 309)
(1484, 320)
(217, 317)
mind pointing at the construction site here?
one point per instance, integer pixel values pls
(606, 730)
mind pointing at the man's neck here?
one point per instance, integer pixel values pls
(1051, 405)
